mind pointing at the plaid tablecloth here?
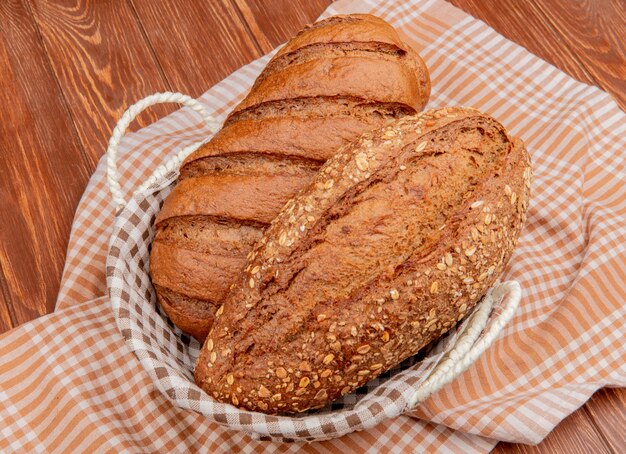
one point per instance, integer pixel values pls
(69, 383)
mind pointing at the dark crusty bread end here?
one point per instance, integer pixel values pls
(396, 239)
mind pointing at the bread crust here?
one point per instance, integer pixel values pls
(397, 237)
(335, 80)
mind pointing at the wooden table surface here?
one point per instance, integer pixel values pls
(69, 68)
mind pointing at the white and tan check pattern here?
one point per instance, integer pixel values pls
(68, 381)
(169, 356)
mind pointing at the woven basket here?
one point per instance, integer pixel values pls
(169, 356)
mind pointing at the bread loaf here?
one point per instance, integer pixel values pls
(333, 81)
(395, 240)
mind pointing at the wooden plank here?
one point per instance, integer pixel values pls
(596, 33)
(6, 315)
(575, 435)
(102, 62)
(608, 411)
(273, 23)
(43, 171)
(198, 43)
(522, 22)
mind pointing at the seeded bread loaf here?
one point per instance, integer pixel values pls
(333, 81)
(395, 240)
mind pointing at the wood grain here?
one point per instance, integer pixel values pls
(197, 43)
(584, 38)
(6, 319)
(272, 23)
(43, 171)
(607, 409)
(594, 31)
(102, 63)
(575, 435)
(523, 23)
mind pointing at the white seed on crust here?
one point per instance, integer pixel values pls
(394, 294)
(470, 251)
(361, 162)
(477, 204)
(264, 392)
(282, 239)
(321, 395)
(420, 146)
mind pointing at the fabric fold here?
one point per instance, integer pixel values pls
(68, 381)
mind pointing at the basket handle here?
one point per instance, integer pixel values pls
(469, 347)
(113, 176)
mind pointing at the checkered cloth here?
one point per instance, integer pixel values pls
(69, 382)
(169, 356)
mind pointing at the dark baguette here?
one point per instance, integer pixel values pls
(333, 81)
(395, 240)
